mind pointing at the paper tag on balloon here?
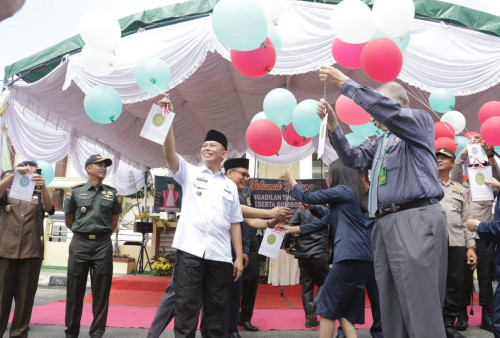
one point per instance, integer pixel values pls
(476, 154)
(157, 124)
(322, 136)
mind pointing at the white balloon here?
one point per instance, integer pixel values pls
(275, 9)
(259, 116)
(97, 63)
(455, 119)
(100, 29)
(352, 21)
(393, 17)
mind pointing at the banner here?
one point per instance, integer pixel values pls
(168, 194)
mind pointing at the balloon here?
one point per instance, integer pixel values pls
(497, 149)
(489, 109)
(443, 129)
(367, 129)
(153, 75)
(381, 59)
(471, 134)
(274, 9)
(255, 63)
(352, 21)
(47, 171)
(264, 137)
(275, 37)
(97, 63)
(442, 100)
(259, 116)
(355, 139)
(402, 41)
(100, 29)
(240, 24)
(490, 131)
(279, 104)
(349, 112)
(393, 17)
(292, 138)
(346, 54)
(103, 104)
(305, 119)
(461, 142)
(456, 119)
(445, 142)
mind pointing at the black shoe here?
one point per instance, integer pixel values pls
(312, 321)
(462, 322)
(452, 333)
(339, 335)
(249, 327)
(486, 324)
(233, 335)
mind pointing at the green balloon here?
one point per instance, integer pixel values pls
(153, 75)
(355, 139)
(259, 116)
(367, 129)
(103, 104)
(47, 171)
(401, 41)
(305, 119)
(275, 37)
(442, 100)
(278, 105)
(462, 142)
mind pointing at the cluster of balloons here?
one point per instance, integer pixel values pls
(372, 39)
(282, 119)
(489, 116)
(242, 26)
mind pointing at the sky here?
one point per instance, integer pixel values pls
(41, 24)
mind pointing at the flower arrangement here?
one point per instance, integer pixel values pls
(162, 267)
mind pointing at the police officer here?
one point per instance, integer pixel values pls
(410, 265)
(21, 249)
(461, 243)
(91, 212)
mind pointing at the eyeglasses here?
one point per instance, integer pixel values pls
(246, 175)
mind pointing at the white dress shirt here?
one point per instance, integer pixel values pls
(210, 204)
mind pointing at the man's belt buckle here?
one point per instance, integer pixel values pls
(92, 236)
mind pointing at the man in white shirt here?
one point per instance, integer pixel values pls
(210, 222)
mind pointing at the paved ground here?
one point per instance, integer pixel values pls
(51, 294)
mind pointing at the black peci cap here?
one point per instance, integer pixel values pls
(232, 163)
(214, 135)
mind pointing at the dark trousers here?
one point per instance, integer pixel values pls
(201, 281)
(233, 306)
(313, 271)
(96, 256)
(18, 281)
(455, 280)
(496, 314)
(485, 273)
(164, 313)
(250, 283)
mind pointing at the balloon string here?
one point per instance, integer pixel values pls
(160, 91)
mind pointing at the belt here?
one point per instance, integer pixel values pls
(389, 209)
(91, 236)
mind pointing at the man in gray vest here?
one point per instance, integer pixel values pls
(409, 237)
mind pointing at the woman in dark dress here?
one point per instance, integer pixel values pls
(343, 295)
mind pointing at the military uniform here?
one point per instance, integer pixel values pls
(21, 255)
(90, 248)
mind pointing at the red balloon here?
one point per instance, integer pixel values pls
(490, 131)
(264, 137)
(347, 55)
(470, 135)
(443, 129)
(489, 109)
(349, 112)
(445, 142)
(381, 59)
(292, 138)
(257, 62)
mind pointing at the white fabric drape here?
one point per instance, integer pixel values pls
(208, 93)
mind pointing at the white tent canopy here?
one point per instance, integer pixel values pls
(208, 93)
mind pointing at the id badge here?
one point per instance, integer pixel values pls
(382, 175)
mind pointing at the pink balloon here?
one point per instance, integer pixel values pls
(445, 142)
(257, 62)
(347, 55)
(349, 112)
(382, 60)
(490, 131)
(489, 109)
(264, 137)
(292, 138)
(470, 135)
(443, 129)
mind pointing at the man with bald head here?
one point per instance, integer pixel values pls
(409, 238)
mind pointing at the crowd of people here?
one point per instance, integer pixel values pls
(409, 236)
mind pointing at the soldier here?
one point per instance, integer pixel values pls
(21, 250)
(91, 212)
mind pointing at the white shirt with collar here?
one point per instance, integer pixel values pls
(210, 204)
